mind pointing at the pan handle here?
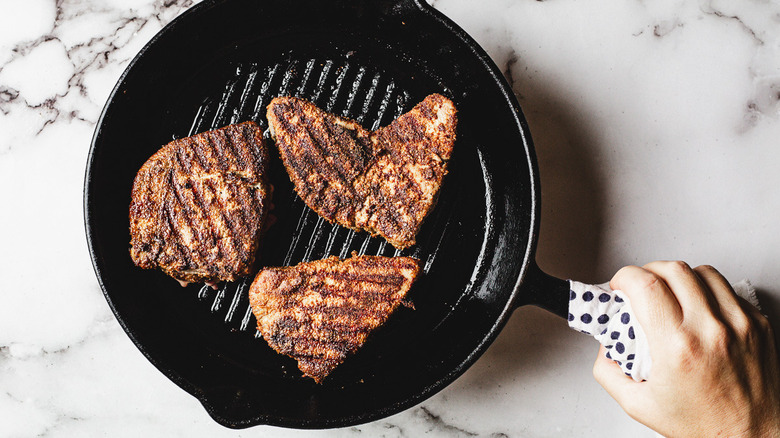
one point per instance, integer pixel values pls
(545, 291)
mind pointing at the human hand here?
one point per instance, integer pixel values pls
(715, 366)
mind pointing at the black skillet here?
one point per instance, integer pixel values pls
(370, 60)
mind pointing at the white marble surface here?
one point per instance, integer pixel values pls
(657, 127)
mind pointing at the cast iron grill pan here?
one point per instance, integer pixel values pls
(221, 63)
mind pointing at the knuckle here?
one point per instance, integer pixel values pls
(766, 328)
(769, 333)
(625, 272)
(755, 332)
(668, 266)
(679, 267)
(705, 269)
(718, 338)
(643, 280)
(743, 325)
(634, 278)
(762, 323)
(688, 349)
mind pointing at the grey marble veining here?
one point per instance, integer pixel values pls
(67, 55)
(656, 126)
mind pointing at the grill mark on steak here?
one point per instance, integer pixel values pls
(203, 161)
(198, 254)
(384, 181)
(185, 165)
(197, 210)
(212, 188)
(180, 205)
(335, 291)
(237, 217)
(348, 145)
(317, 283)
(315, 148)
(224, 234)
(406, 196)
(236, 191)
(169, 232)
(415, 190)
(334, 331)
(313, 349)
(322, 311)
(230, 151)
(209, 233)
(296, 166)
(313, 152)
(252, 155)
(253, 160)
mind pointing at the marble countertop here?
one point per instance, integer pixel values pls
(657, 128)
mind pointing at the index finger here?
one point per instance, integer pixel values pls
(655, 306)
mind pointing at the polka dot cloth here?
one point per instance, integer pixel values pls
(606, 315)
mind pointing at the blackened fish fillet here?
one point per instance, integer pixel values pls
(199, 204)
(319, 312)
(384, 181)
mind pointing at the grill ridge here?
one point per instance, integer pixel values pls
(315, 237)
(248, 89)
(324, 75)
(306, 74)
(352, 95)
(224, 103)
(383, 105)
(240, 291)
(334, 231)
(216, 305)
(298, 233)
(198, 120)
(364, 246)
(335, 90)
(262, 97)
(284, 88)
(347, 244)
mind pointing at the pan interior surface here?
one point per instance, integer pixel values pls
(222, 63)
